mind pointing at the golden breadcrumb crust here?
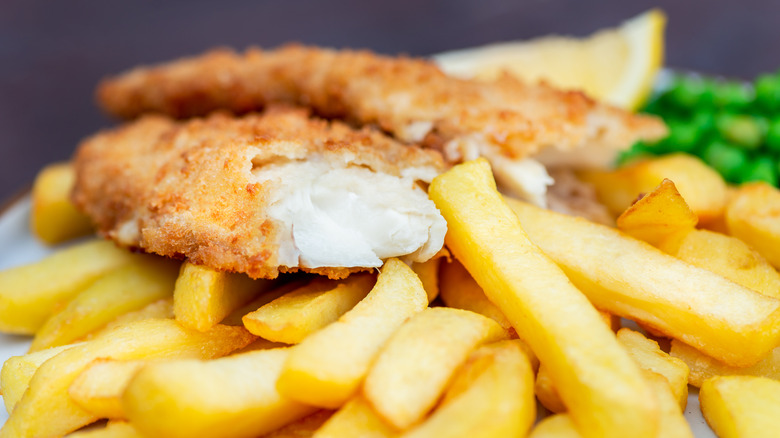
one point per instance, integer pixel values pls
(403, 96)
(186, 189)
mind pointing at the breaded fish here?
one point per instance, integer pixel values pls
(410, 98)
(507, 121)
(262, 194)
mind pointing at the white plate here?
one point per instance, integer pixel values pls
(19, 247)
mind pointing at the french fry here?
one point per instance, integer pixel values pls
(303, 428)
(113, 429)
(151, 338)
(18, 370)
(741, 406)
(297, 314)
(327, 368)
(160, 309)
(356, 419)
(497, 401)
(726, 256)
(544, 386)
(632, 279)
(555, 426)
(703, 189)
(658, 214)
(603, 389)
(650, 357)
(236, 316)
(53, 217)
(703, 367)
(753, 215)
(130, 288)
(428, 272)
(545, 391)
(672, 423)
(414, 367)
(460, 291)
(29, 294)
(204, 296)
(99, 388)
(233, 396)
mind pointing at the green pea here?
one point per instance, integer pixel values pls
(742, 130)
(727, 159)
(704, 121)
(732, 95)
(689, 92)
(773, 135)
(761, 169)
(768, 92)
(682, 136)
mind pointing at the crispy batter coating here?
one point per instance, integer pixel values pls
(410, 98)
(189, 189)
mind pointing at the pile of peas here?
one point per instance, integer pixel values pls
(733, 126)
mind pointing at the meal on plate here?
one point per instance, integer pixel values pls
(305, 241)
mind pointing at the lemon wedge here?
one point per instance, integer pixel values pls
(616, 65)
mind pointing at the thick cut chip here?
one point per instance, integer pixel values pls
(236, 317)
(29, 294)
(113, 429)
(545, 391)
(672, 423)
(99, 388)
(658, 214)
(724, 255)
(232, 397)
(161, 309)
(599, 383)
(496, 400)
(414, 367)
(703, 189)
(544, 386)
(53, 217)
(753, 215)
(650, 357)
(303, 428)
(204, 296)
(634, 280)
(429, 275)
(555, 426)
(327, 368)
(151, 338)
(18, 371)
(294, 316)
(356, 419)
(741, 407)
(124, 290)
(261, 194)
(703, 367)
(459, 290)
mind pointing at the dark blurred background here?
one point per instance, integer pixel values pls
(52, 53)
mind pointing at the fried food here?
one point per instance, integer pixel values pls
(741, 406)
(410, 98)
(603, 389)
(505, 120)
(262, 194)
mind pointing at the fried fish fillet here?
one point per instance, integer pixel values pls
(506, 120)
(261, 194)
(410, 98)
